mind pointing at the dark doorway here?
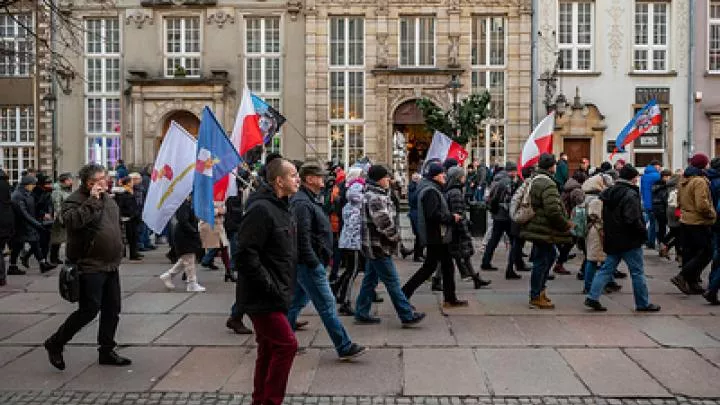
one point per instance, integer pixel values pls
(576, 149)
(408, 120)
(186, 119)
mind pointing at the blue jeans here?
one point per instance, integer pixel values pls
(543, 257)
(312, 285)
(590, 270)
(384, 270)
(651, 232)
(634, 260)
(143, 235)
(714, 284)
(209, 257)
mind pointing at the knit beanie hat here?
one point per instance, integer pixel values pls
(628, 172)
(547, 160)
(699, 161)
(433, 170)
(450, 162)
(510, 166)
(715, 163)
(378, 172)
(27, 180)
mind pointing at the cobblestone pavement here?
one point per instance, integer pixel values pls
(206, 398)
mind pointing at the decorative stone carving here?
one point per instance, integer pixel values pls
(546, 40)
(156, 3)
(382, 8)
(454, 50)
(293, 8)
(220, 17)
(139, 17)
(615, 35)
(383, 50)
(453, 6)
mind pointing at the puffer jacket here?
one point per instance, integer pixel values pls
(185, 235)
(623, 222)
(550, 223)
(648, 179)
(659, 198)
(594, 207)
(381, 233)
(694, 199)
(315, 236)
(351, 235)
(461, 245)
(27, 227)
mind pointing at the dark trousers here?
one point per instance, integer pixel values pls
(563, 252)
(498, 229)
(131, 234)
(275, 354)
(515, 257)
(542, 256)
(3, 269)
(435, 254)
(17, 249)
(354, 262)
(697, 251)
(662, 228)
(99, 292)
(44, 243)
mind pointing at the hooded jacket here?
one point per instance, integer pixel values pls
(694, 199)
(501, 192)
(434, 217)
(381, 235)
(266, 254)
(94, 240)
(623, 223)
(550, 223)
(461, 245)
(594, 209)
(27, 227)
(351, 235)
(648, 179)
(315, 236)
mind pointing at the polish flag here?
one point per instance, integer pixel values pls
(442, 148)
(540, 142)
(246, 135)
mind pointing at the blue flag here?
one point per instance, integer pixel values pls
(270, 119)
(216, 158)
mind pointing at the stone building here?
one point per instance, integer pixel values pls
(606, 59)
(706, 80)
(368, 61)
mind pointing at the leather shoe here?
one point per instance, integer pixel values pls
(55, 356)
(111, 358)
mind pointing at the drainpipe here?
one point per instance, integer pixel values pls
(691, 82)
(53, 78)
(533, 62)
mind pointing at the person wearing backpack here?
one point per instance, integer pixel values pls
(548, 225)
(624, 234)
(501, 192)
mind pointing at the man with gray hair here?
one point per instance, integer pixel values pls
(94, 244)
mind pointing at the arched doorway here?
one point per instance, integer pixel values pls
(186, 119)
(408, 120)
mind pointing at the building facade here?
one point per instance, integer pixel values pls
(603, 60)
(706, 84)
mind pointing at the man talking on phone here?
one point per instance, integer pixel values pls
(94, 244)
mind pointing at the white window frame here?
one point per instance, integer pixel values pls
(17, 143)
(416, 41)
(650, 46)
(105, 95)
(346, 69)
(263, 56)
(710, 23)
(575, 46)
(183, 55)
(15, 40)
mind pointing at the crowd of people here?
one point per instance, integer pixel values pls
(301, 232)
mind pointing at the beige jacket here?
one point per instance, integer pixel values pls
(213, 238)
(695, 201)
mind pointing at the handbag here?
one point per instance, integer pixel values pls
(69, 276)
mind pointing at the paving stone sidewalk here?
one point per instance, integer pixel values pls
(497, 350)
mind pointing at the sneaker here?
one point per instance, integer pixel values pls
(166, 278)
(15, 271)
(416, 319)
(711, 298)
(649, 308)
(541, 303)
(195, 287)
(55, 356)
(595, 305)
(111, 358)
(455, 304)
(681, 284)
(367, 320)
(353, 352)
(489, 267)
(560, 269)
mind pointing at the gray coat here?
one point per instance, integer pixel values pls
(27, 227)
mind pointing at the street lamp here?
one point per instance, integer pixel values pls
(453, 90)
(50, 103)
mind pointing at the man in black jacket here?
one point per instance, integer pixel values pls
(434, 229)
(265, 256)
(27, 227)
(94, 244)
(624, 234)
(315, 248)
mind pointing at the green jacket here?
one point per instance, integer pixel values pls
(561, 174)
(550, 223)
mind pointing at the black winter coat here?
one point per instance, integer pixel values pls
(660, 193)
(7, 212)
(461, 245)
(266, 254)
(185, 235)
(43, 203)
(27, 227)
(127, 204)
(233, 213)
(623, 223)
(435, 213)
(315, 237)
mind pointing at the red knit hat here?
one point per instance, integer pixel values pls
(699, 160)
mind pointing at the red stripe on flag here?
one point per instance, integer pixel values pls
(220, 188)
(251, 134)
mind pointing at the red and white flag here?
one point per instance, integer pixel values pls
(442, 148)
(246, 135)
(540, 142)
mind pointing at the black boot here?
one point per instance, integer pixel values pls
(13, 270)
(54, 355)
(111, 358)
(479, 282)
(45, 266)
(55, 254)
(512, 275)
(436, 284)
(405, 252)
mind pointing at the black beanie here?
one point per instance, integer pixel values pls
(628, 172)
(547, 160)
(377, 172)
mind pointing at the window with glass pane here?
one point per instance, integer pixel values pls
(346, 89)
(104, 150)
(489, 61)
(714, 37)
(650, 48)
(575, 32)
(17, 140)
(182, 45)
(16, 58)
(417, 41)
